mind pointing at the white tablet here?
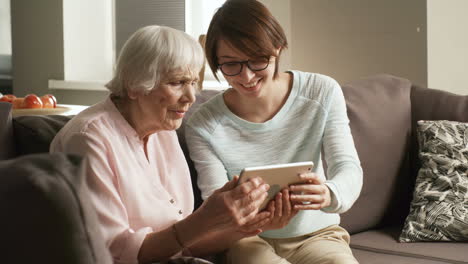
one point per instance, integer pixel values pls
(278, 176)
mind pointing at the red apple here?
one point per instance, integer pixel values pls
(31, 101)
(7, 98)
(17, 103)
(52, 97)
(47, 102)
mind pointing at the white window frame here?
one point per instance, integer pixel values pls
(88, 43)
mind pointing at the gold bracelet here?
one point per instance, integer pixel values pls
(176, 235)
(184, 250)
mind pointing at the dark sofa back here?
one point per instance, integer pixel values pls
(204, 96)
(33, 134)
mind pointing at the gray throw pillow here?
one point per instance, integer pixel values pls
(439, 210)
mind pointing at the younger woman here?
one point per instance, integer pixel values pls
(272, 117)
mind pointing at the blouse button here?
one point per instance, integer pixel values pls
(172, 201)
(180, 211)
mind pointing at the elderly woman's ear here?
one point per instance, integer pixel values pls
(132, 94)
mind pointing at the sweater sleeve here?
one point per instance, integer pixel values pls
(123, 242)
(344, 170)
(211, 172)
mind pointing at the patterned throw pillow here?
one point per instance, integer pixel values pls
(439, 210)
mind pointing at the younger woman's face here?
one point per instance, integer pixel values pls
(248, 82)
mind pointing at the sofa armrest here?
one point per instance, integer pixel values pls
(49, 217)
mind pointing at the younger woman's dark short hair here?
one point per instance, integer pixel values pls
(248, 26)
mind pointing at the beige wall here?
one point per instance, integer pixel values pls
(37, 53)
(352, 39)
(281, 9)
(448, 45)
(424, 41)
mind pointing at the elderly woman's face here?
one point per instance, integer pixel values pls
(166, 105)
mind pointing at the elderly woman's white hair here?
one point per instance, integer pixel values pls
(149, 54)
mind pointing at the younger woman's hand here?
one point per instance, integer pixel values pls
(312, 194)
(281, 211)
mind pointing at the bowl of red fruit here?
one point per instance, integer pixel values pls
(32, 104)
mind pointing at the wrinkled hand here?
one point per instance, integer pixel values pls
(312, 194)
(281, 211)
(231, 207)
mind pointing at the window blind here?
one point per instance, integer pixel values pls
(130, 15)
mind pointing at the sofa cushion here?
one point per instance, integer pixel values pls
(33, 134)
(385, 241)
(370, 256)
(7, 149)
(379, 110)
(439, 208)
(48, 217)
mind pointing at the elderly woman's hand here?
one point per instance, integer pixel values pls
(281, 211)
(230, 208)
(313, 194)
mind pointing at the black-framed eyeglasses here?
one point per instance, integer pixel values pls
(233, 68)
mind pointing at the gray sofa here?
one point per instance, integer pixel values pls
(383, 111)
(46, 213)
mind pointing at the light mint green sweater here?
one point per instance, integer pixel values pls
(314, 116)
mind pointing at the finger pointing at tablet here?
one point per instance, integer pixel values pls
(233, 206)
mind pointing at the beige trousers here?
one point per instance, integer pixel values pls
(329, 245)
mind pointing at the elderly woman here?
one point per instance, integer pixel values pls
(137, 174)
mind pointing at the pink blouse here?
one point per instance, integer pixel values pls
(133, 195)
